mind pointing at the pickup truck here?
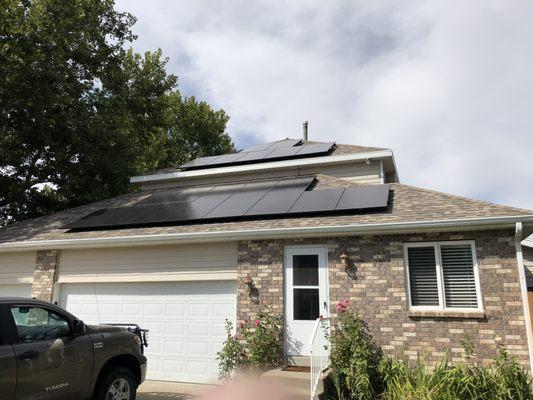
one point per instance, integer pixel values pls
(47, 353)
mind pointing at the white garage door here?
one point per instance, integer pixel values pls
(21, 290)
(185, 319)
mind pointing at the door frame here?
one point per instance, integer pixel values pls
(289, 251)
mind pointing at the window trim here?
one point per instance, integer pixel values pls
(440, 279)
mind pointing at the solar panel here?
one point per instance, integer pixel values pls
(315, 149)
(374, 196)
(314, 201)
(275, 202)
(264, 152)
(261, 198)
(199, 162)
(283, 152)
(173, 195)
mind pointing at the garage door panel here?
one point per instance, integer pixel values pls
(186, 321)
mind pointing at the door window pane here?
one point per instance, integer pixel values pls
(305, 270)
(306, 304)
(36, 323)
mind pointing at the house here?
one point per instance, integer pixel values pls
(298, 226)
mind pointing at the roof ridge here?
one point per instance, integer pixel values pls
(455, 196)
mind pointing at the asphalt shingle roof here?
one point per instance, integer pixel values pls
(407, 204)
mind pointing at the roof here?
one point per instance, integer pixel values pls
(340, 149)
(408, 204)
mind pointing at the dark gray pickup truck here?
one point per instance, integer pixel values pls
(47, 353)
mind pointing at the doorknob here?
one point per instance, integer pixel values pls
(27, 355)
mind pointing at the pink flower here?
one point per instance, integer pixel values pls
(257, 322)
(241, 325)
(321, 317)
(342, 305)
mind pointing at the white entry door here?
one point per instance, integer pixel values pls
(185, 319)
(306, 295)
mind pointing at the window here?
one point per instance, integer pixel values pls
(36, 323)
(305, 287)
(442, 276)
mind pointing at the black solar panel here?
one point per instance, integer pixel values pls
(315, 149)
(315, 201)
(364, 197)
(234, 201)
(264, 152)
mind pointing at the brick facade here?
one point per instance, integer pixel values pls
(378, 293)
(45, 274)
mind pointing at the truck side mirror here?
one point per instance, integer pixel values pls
(78, 327)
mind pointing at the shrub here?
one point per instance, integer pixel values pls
(355, 358)
(262, 339)
(232, 356)
(256, 348)
(506, 380)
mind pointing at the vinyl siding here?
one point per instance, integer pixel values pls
(354, 172)
(209, 261)
(528, 262)
(17, 267)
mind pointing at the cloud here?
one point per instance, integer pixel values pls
(447, 86)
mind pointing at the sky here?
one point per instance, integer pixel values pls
(448, 86)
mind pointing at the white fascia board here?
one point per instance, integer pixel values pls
(274, 233)
(268, 166)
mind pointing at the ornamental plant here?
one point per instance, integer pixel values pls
(255, 348)
(354, 358)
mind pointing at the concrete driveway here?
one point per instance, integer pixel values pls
(157, 390)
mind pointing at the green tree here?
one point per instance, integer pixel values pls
(80, 112)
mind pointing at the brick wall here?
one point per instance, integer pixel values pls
(45, 274)
(378, 292)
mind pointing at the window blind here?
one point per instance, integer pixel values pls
(458, 276)
(423, 276)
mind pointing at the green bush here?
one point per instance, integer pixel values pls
(359, 371)
(505, 380)
(355, 358)
(256, 348)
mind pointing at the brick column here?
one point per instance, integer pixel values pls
(45, 274)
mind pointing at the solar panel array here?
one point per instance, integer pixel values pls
(235, 201)
(273, 151)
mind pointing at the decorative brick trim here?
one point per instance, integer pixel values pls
(44, 275)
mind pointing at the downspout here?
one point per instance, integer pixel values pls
(523, 289)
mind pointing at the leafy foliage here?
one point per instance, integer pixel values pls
(80, 112)
(257, 347)
(359, 371)
(232, 356)
(354, 357)
(506, 380)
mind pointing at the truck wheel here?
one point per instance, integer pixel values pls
(118, 384)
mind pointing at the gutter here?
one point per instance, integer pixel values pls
(274, 233)
(268, 166)
(523, 290)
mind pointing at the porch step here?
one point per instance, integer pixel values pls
(303, 361)
(296, 384)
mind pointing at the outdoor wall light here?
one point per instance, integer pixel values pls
(253, 293)
(349, 267)
(344, 259)
(249, 282)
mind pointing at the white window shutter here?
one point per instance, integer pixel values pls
(458, 276)
(424, 289)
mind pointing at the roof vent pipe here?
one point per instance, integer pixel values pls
(305, 130)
